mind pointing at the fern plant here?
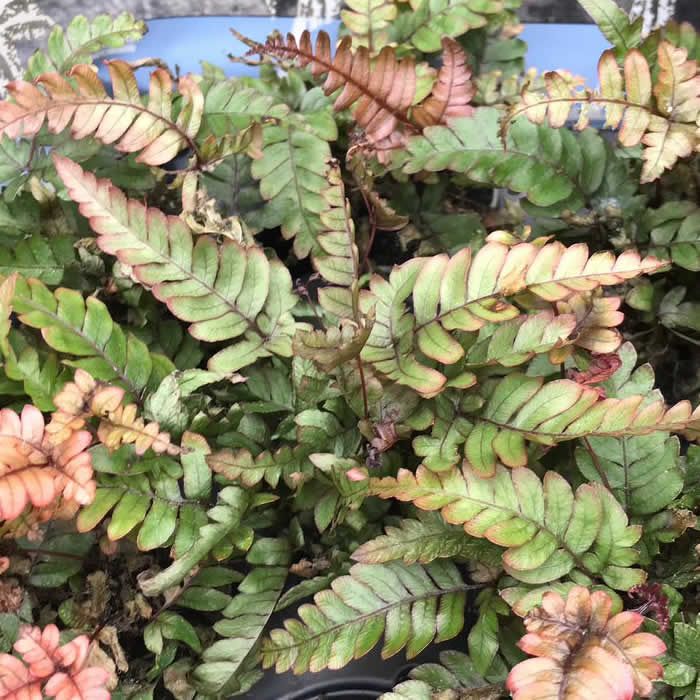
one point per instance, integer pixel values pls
(324, 387)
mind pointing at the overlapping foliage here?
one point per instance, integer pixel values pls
(322, 385)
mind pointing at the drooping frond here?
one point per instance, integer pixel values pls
(381, 90)
(662, 116)
(583, 651)
(547, 527)
(226, 292)
(122, 120)
(411, 605)
(458, 294)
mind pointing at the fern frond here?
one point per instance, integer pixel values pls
(84, 328)
(337, 259)
(582, 650)
(533, 161)
(548, 529)
(382, 90)
(85, 398)
(368, 21)
(515, 342)
(241, 466)
(152, 504)
(666, 125)
(63, 667)
(37, 256)
(455, 293)
(423, 541)
(293, 170)
(34, 469)
(674, 230)
(643, 472)
(347, 621)
(452, 92)
(520, 408)
(244, 620)
(426, 22)
(225, 291)
(122, 120)
(81, 38)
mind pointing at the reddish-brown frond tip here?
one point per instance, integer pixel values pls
(582, 652)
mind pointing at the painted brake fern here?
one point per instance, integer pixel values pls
(661, 114)
(226, 292)
(348, 620)
(457, 294)
(152, 130)
(549, 529)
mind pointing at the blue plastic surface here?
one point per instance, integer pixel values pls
(186, 41)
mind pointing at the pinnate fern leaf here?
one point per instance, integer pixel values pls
(381, 90)
(515, 342)
(643, 471)
(241, 466)
(674, 231)
(662, 116)
(84, 328)
(548, 529)
(244, 620)
(457, 293)
(368, 21)
(426, 22)
(35, 469)
(520, 408)
(582, 651)
(62, 668)
(293, 171)
(120, 424)
(452, 92)
(532, 162)
(121, 120)
(81, 38)
(225, 291)
(423, 541)
(411, 605)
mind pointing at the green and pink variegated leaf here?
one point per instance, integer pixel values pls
(122, 120)
(662, 116)
(225, 291)
(548, 529)
(411, 606)
(515, 342)
(451, 294)
(520, 408)
(582, 651)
